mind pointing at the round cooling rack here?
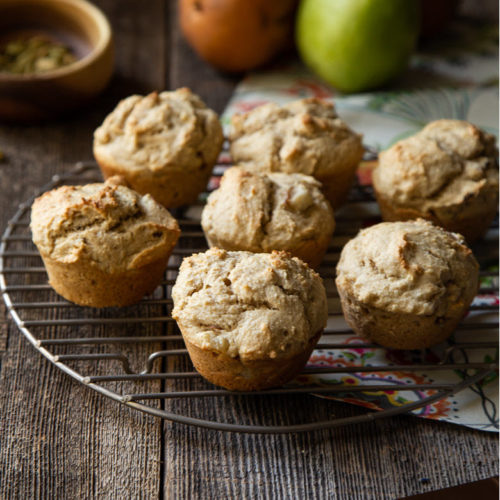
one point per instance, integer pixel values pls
(136, 356)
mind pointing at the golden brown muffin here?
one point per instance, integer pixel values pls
(406, 285)
(102, 244)
(260, 212)
(447, 173)
(304, 136)
(163, 144)
(249, 321)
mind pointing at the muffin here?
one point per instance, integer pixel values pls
(260, 212)
(163, 144)
(406, 285)
(102, 244)
(447, 173)
(304, 136)
(249, 320)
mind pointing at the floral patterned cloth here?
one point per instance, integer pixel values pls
(454, 79)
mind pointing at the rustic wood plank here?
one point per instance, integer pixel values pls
(387, 459)
(60, 439)
(4, 323)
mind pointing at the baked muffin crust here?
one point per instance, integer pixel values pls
(263, 211)
(447, 173)
(249, 320)
(304, 136)
(98, 237)
(248, 305)
(164, 144)
(406, 284)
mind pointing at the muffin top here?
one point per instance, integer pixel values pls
(259, 211)
(255, 306)
(304, 136)
(447, 162)
(172, 130)
(411, 267)
(107, 224)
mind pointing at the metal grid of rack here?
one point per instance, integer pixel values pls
(120, 352)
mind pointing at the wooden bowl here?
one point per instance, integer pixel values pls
(77, 24)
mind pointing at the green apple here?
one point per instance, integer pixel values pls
(357, 45)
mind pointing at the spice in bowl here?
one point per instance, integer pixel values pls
(36, 55)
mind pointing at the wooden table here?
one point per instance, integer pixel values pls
(62, 440)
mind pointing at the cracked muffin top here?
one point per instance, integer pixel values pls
(254, 306)
(260, 212)
(173, 130)
(105, 223)
(445, 164)
(411, 267)
(304, 136)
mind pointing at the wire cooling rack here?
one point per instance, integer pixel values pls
(136, 356)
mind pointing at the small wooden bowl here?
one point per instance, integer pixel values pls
(77, 24)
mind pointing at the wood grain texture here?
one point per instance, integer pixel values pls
(387, 459)
(59, 439)
(62, 440)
